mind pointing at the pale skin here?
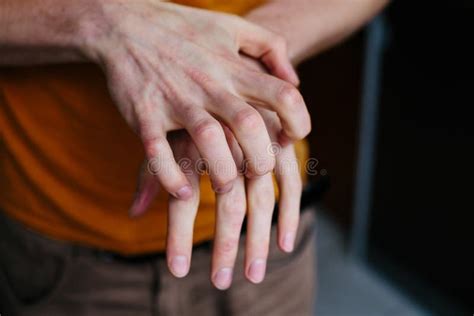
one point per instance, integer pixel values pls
(173, 68)
(254, 196)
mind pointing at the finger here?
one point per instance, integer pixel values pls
(290, 185)
(287, 172)
(209, 137)
(261, 201)
(279, 96)
(163, 165)
(148, 187)
(231, 207)
(249, 129)
(270, 48)
(182, 213)
(235, 149)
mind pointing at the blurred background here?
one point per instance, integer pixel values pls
(394, 137)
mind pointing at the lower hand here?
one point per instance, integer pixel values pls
(252, 197)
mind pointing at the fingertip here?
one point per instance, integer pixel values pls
(222, 279)
(293, 76)
(281, 67)
(256, 271)
(288, 73)
(179, 266)
(287, 243)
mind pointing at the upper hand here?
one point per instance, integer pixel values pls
(173, 67)
(253, 197)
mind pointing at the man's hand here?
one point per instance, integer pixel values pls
(171, 67)
(168, 67)
(254, 197)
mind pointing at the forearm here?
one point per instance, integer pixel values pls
(40, 31)
(311, 26)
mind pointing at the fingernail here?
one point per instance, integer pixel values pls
(179, 266)
(256, 271)
(185, 192)
(289, 242)
(223, 278)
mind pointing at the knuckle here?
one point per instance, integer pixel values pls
(224, 176)
(227, 246)
(289, 96)
(172, 186)
(206, 130)
(153, 147)
(261, 167)
(266, 168)
(199, 76)
(248, 120)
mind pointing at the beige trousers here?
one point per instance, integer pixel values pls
(40, 276)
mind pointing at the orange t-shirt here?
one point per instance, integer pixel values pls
(69, 162)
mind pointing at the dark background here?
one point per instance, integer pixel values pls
(421, 223)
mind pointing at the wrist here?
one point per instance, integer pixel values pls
(91, 30)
